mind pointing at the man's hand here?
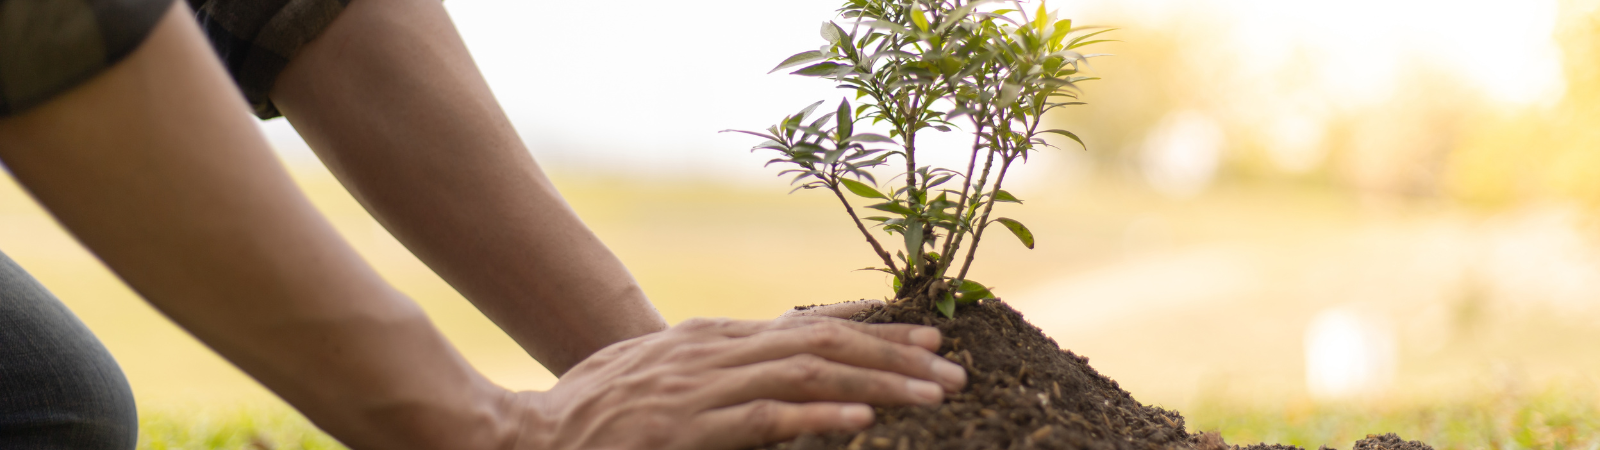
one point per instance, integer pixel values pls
(725, 384)
(842, 310)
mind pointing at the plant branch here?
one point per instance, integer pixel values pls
(953, 243)
(977, 235)
(834, 186)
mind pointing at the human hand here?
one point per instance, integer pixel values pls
(725, 384)
(842, 310)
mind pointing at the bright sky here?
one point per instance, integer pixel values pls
(644, 86)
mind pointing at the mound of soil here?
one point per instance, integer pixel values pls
(1024, 392)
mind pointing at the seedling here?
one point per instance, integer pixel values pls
(985, 66)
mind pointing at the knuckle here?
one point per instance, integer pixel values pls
(765, 419)
(699, 323)
(676, 384)
(825, 336)
(690, 352)
(807, 369)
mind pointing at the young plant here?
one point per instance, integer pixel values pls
(915, 65)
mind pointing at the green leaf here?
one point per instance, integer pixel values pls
(1003, 196)
(1041, 18)
(1018, 229)
(846, 120)
(1080, 44)
(947, 306)
(800, 58)
(970, 291)
(861, 189)
(831, 32)
(885, 25)
(806, 112)
(894, 207)
(913, 235)
(1062, 28)
(1074, 42)
(876, 269)
(844, 39)
(871, 137)
(1008, 93)
(1069, 135)
(823, 69)
(918, 17)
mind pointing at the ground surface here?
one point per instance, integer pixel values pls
(1564, 418)
(1025, 392)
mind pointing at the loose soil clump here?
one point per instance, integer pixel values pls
(1024, 392)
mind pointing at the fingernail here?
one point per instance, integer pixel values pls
(951, 375)
(925, 391)
(925, 337)
(856, 416)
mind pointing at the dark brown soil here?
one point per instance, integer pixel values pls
(1388, 442)
(1024, 392)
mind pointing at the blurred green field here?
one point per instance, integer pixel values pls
(1462, 230)
(1552, 419)
(1198, 305)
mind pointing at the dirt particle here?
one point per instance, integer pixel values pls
(1041, 433)
(855, 444)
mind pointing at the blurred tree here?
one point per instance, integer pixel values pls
(1541, 153)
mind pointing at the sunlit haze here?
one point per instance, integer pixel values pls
(642, 87)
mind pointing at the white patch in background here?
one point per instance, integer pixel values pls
(1542, 256)
(646, 90)
(1348, 355)
(1181, 155)
(1295, 143)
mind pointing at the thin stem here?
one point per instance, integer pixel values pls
(988, 165)
(953, 243)
(977, 235)
(834, 186)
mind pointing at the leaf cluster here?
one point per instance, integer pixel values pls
(987, 67)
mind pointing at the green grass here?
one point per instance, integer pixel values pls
(236, 429)
(1556, 419)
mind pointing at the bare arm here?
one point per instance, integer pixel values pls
(157, 167)
(393, 104)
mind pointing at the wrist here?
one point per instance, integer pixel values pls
(528, 422)
(485, 418)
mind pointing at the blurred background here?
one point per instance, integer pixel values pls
(1297, 221)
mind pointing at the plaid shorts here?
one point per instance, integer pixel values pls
(48, 47)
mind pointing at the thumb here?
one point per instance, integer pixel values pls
(836, 310)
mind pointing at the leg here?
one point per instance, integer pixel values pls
(59, 388)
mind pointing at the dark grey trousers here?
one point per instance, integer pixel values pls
(59, 388)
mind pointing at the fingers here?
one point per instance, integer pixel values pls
(917, 335)
(764, 421)
(925, 337)
(841, 342)
(809, 378)
(837, 310)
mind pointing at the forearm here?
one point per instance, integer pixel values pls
(156, 167)
(393, 104)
